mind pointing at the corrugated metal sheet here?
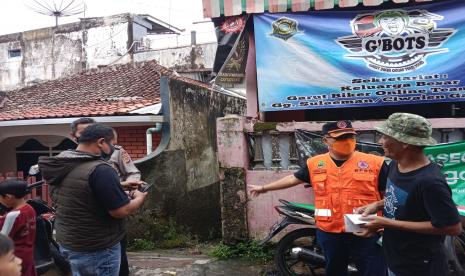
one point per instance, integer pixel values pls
(216, 8)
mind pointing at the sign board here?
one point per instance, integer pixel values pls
(452, 159)
(334, 59)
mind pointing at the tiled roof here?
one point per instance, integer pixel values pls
(107, 91)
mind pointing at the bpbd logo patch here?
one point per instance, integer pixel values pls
(363, 165)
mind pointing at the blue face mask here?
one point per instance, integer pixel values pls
(107, 156)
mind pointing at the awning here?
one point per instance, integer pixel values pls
(216, 8)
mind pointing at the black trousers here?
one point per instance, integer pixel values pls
(365, 252)
(124, 266)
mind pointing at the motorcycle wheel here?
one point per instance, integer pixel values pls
(457, 262)
(286, 264)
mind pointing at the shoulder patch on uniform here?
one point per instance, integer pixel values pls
(321, 164)
(125, 156)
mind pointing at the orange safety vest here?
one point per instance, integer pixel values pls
(338, 190)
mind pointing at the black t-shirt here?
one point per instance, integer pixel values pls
(105, 184)
(420, 195)
(303, 174)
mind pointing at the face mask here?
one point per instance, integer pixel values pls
(344, 147)
(107, 156)
(76, 139)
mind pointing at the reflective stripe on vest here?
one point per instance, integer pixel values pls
(338, 190)
(322, 212)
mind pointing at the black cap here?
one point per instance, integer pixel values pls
(336, 129)
(16, 187)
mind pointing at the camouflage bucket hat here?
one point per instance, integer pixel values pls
(409, 129)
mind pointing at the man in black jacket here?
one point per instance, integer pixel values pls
(91, 203)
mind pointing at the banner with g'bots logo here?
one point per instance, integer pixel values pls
(332, 59)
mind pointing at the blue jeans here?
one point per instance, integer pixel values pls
(105, 262)
(364, 252)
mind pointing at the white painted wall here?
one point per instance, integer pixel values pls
(107, 44)
(37, 130)
(10, 68)
(47, 54)
(180, 58)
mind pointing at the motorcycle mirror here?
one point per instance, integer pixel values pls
(34, 169)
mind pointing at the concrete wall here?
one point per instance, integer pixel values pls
(261, 214)
(244, 216)
(182, 58)
(185, 174)
(107, 44)
(51, 53)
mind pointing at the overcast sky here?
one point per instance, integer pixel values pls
(16, 16)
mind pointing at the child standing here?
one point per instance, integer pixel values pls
(19, 223)
(10, 265)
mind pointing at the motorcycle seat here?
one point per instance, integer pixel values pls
(300, 207)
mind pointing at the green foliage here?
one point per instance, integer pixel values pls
(250, 250)
(176, 237)
(157, 232)
(262, 126)
(141, 245)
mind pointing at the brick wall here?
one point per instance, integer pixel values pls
(132, 139)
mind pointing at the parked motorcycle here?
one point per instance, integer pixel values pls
(46, 249)
(298, 253)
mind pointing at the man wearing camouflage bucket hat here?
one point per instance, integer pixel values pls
(418, 208)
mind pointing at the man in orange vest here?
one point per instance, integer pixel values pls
(343, 179)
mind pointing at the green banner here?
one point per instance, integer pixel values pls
(452, 159)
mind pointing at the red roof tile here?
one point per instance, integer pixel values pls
(107, 91)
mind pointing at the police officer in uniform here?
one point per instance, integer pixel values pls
(128, 173)
(342, 179)
(120, 160)
(129, 176)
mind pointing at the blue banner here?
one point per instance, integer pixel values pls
(334, 59)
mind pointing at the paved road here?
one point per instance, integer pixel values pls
(166, 263)
(148, 263)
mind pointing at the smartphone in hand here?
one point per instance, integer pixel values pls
(145, 187)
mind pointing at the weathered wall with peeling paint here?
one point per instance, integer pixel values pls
(186, 58)
(186, 173)
(193, 123)
(51, 53)
(244, 216)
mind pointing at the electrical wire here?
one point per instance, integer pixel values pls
(130, 48)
